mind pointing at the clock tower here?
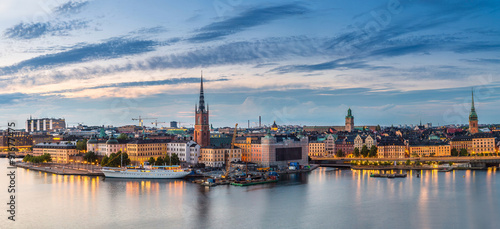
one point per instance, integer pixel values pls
(201, 127)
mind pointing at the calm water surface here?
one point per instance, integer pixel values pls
(320, 199)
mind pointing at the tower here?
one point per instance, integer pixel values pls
(349, 121)
(201, 127)
(473, 127)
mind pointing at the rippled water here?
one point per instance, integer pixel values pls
(320, 199)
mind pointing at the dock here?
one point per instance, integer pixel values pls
(59, 169)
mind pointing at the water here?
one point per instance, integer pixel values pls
(321, 199)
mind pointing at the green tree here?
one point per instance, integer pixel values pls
(454, 152)
(81, 145)
(408, 162)
(27, 158)
(364, 151)
(104, 161)
(151, 160)
(117, 159)
(373, 152)
(377, 128)
(175, 159)
(339, 153)
(463, 152)
(90, 156)
(159, 161)
(167, 160)
(356, 152)
(122, 136)
(46, 158)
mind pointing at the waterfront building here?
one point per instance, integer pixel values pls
(22, 141)
(362, 140)
(217, 157)
(461, 142)
(345, 144)
(106, 147)
(330, 144)
(317, 149)
(427, 149)
(45, 124)
(483, 143)
(245, 144)
(349, 121)
(187, 151)
(473, 120)
(280, 151)
(141, 150)
(59, 152)
(201, 127)
(391, 148)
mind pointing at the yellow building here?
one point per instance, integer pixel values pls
(217, 157)
(391, 148)
(140, 151)
(483, 143)
(423, 150)
(245, 144)
(59, 152)
(317, 149)
(461, 142)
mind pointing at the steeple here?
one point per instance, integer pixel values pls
(473, 114)
(201, 106)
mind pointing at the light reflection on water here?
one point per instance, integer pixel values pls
(323, 198)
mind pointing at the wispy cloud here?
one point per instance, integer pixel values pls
(482, 61)
(247, 19)
(26, 31)
(71, 7)
(113, 48)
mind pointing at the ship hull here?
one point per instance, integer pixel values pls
(144, 174)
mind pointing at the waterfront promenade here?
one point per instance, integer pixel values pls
(63, 169)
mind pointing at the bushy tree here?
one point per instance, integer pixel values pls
(454, 152)
(175, 159)
(364, 151)
(90, 156)
(151, 160)
(356, 152)
(463, 152)
(122, 136)
(81, 145)
(339, 153)
(159, 161)
(373, 152)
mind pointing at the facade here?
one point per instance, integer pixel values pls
(483, 143)
(391, 148)
(427, 150)
(346, 145)
(349, 121)
(317, 149)
(280, 152)
(140, 151)
(45, 124)
(330, 144)
(362, 140)
(106, 147)
(59, 152)
(473, 121)
(245, 144)
(217, 157)
(202, 127)
(21, 140)
(461, 142)
(188, 151)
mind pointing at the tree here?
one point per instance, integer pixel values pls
(151, 160)
(81, 145)
(373, 152)
(339, 153)
(408, 162)
(104, 161)
(463, 152)
(159, 161)
(27, 158)
(356, 152)
(175, 159)
(364, 151)
(46, 157)
(167, 160)
(454, 152)
(377, 128)
(122, 136)
(90, 156)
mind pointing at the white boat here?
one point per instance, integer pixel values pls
(156, 172)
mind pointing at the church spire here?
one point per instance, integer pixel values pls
(473, 114)
(201, 106)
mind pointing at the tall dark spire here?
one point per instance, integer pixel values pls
(201, 106)
(473, 114)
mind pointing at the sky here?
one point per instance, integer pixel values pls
(294, 62)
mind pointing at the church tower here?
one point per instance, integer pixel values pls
(349, 121)
(473, 127)
(201, 127)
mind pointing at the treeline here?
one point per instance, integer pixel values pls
(115, 160)
(174, 160)
(38, 159)
(365, 152)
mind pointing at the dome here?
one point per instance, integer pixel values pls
(112, 140)
(92, 140)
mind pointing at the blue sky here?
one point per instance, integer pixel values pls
(296, 62)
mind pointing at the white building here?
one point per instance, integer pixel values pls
(188, 151)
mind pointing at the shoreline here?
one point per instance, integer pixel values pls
(357, 167)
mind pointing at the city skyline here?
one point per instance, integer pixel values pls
(306, 63)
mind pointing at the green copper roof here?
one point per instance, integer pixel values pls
(472, 115)
(349, 113)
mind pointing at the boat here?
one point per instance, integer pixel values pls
(393, 175)
(445, 170)
(248, 183)
(153, 172)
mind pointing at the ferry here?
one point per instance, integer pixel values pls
(150, 172)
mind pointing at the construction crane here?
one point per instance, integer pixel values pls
(228, 164)
(156, 123)
(141, 120)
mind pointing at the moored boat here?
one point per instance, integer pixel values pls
(155, 172)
